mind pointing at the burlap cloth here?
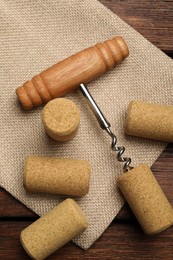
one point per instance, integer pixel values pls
(37, 34)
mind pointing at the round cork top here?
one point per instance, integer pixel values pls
(61, 116)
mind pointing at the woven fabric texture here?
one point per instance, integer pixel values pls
(36, 34)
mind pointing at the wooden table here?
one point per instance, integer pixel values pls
(124, 238)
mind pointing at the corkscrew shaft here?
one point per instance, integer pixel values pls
(105, 125)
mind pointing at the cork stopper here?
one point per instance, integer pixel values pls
(56, 176)
(52, 231)
(61, 119)
(150, 120)
(146, 199)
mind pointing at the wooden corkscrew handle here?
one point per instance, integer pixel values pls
(66, 75)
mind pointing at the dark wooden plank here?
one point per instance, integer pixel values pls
(124, 238)
(10, 207)
(120, 241)
(153, 19)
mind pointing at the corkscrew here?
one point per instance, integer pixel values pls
(138, 185)
(105, 125)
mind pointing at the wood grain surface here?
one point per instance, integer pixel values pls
(65, 76)
(153, 19)
(124, 238)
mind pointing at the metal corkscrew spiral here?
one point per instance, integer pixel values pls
(104, 124)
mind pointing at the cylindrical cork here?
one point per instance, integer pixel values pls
(61, 119)
(146, 199)
(56, 176)
(67, 75)
(149, 120)
(52, 231)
